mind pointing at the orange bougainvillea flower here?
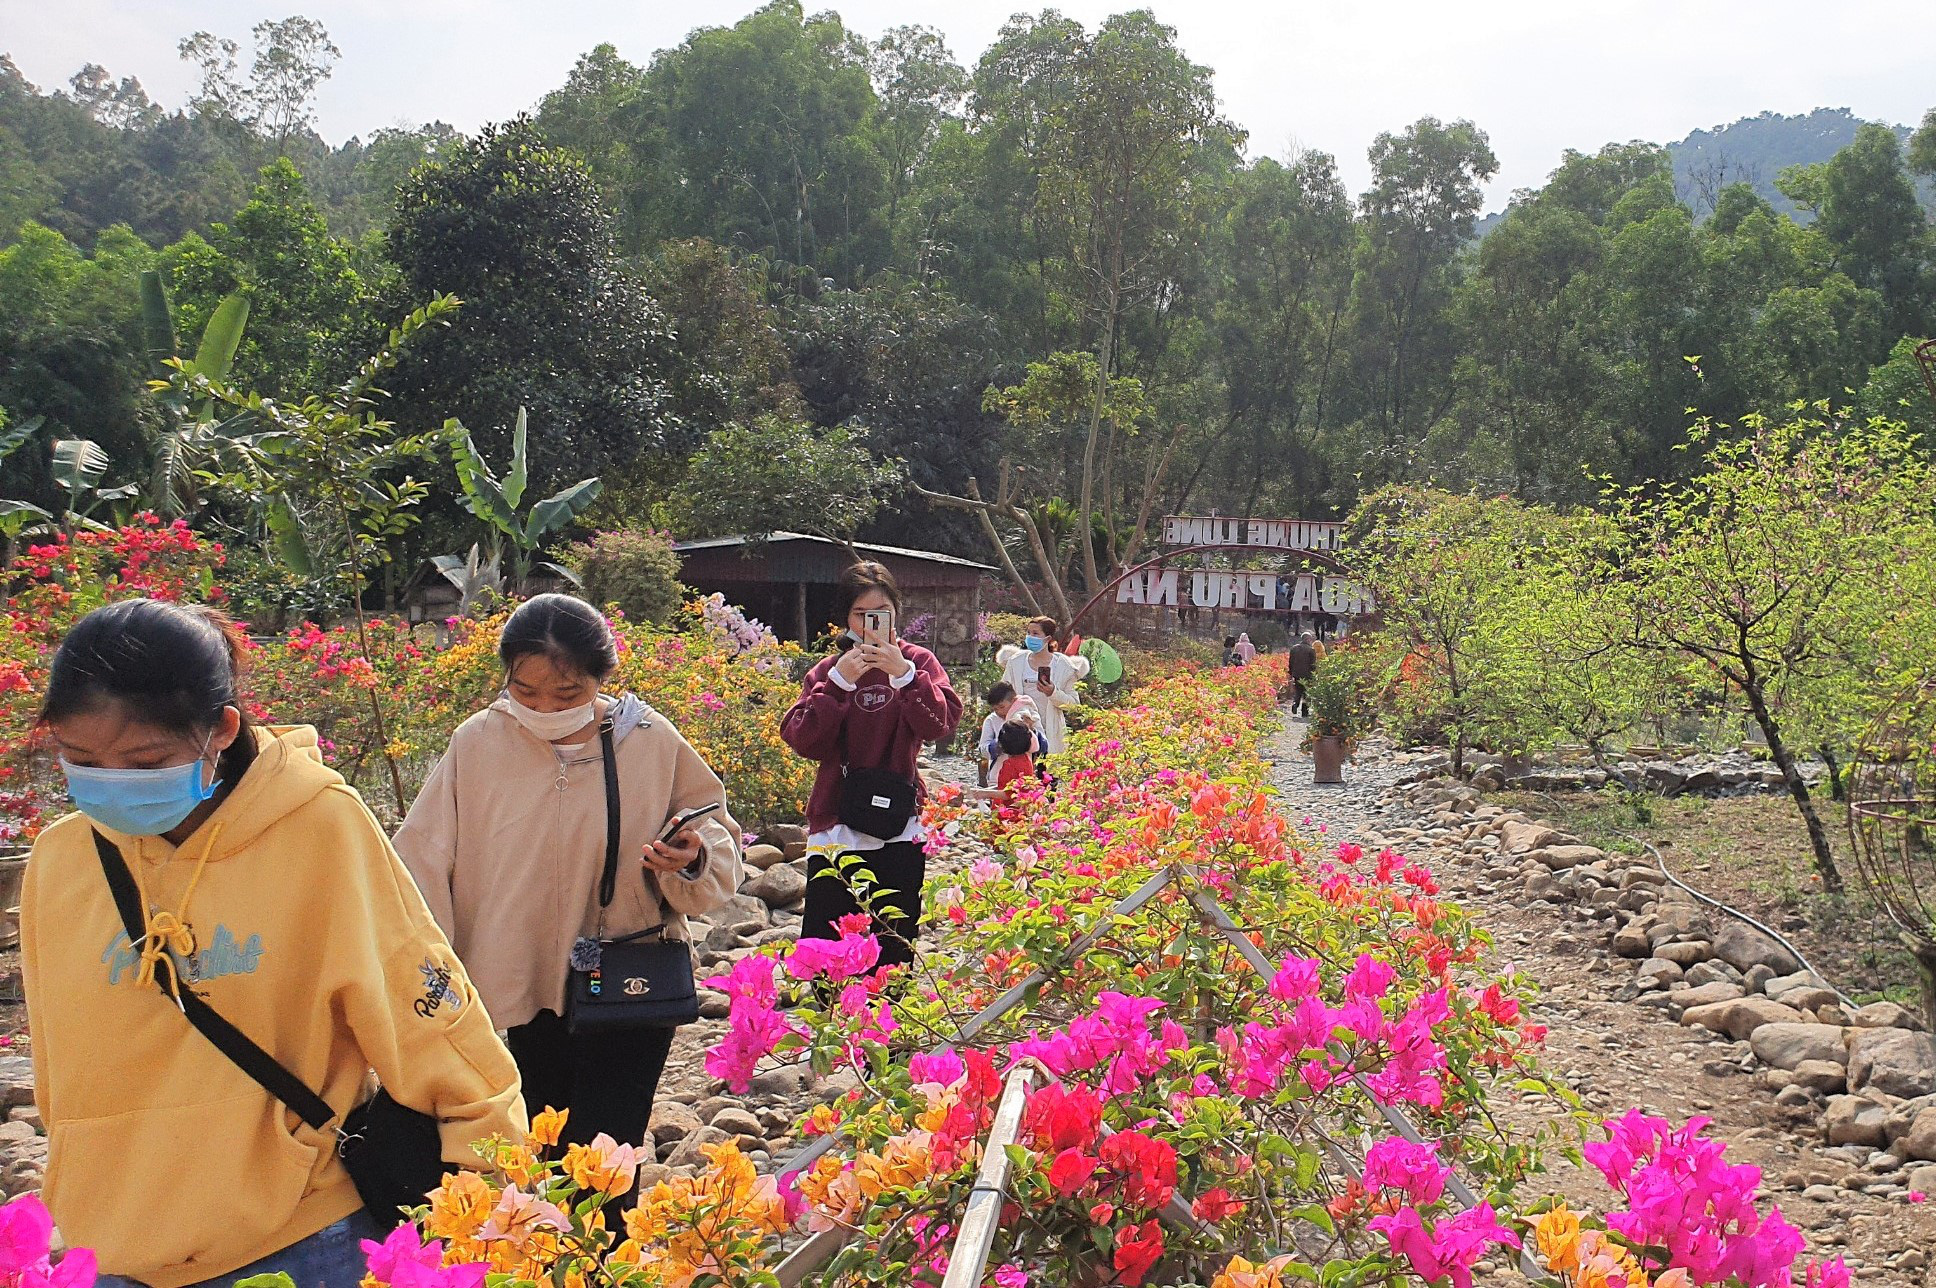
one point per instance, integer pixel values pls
(546, 1127)
(459, 1207)
(1241, 1273)
(603, 1167)
(1556, 1234)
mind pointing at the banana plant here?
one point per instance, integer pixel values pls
(79, 466)
(496, 503)
(191, 438)
(472, 575)
(19, 518)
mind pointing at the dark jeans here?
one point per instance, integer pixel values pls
(330, 1258)
(606, 1080)
(898, 870)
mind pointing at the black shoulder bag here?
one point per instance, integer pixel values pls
(393, 1154)
(637, 981)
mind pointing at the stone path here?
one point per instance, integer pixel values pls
(1615, 1053)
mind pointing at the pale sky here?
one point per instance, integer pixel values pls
(1537, 77)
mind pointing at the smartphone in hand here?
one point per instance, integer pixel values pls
(684, 819)
(877, 624)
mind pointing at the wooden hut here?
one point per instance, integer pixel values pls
(786, 579)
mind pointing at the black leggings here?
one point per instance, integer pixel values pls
(898, 870)
(606, 1080)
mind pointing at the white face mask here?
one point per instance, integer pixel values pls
(552, 725)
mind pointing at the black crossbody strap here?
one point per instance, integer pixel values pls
(608, 880)
(229, 1040)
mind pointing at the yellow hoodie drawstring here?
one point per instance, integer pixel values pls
(169, 932)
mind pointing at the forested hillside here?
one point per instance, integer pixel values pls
(786, 250)
(1755, 150)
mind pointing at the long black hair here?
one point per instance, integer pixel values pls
(171, 666)
(565, 629)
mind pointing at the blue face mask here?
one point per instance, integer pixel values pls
(138, 802)
(1034, 643)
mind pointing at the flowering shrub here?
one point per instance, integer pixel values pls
(719, 676)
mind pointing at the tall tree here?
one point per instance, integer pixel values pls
(552, 318)
(1416, 214)
(1868, 211)
(767, 146)
(919, 85)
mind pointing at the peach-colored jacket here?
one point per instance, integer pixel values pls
(507, 844)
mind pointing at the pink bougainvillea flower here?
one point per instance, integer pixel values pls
(1396, 1163)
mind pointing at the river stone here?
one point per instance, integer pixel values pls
(1628, 942)
(1683, 955)
(16, 1080)
(1896, 1062)
(688, 1152)
(1705, 995)
(779, 885)
(1757, 977)
(1884, 1015)
(1786, 1046)
(1742, 947)
(1782, 984)
(1520, 838)
(1853, 1120)
(1541, 885)
(790, 837)
(764, 856)
(1825, 1076)
(672, 1121)
(735, 1121)
(1920, 1140)
(1709, 972)
(1561, 857)
(1741, 1017)
(1658, 972)
(1808, 1000)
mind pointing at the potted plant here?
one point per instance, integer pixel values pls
(1336, 696)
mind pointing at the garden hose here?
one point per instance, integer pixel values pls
(1739, 916)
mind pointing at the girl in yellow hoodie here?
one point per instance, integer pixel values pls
(270, 891)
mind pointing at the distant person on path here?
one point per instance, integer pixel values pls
(1045, 676)
(1303, 661)
(1230, 657)
(508, 841)
(1018, 756)
(863, 714)
(270, 892)
(1246, 651)
(1004, 706)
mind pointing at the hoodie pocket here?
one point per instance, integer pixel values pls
(175, 1185)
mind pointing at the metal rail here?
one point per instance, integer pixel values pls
(983, 1214)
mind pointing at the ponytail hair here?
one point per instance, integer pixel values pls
(171, 666)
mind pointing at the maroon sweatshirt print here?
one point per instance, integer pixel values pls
(877, 726)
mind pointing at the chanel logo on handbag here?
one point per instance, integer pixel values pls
(636, 987)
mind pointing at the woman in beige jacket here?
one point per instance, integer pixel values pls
(507, 841)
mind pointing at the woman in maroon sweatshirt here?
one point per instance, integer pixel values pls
(869, 708)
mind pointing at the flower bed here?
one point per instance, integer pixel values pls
(1194, 1122)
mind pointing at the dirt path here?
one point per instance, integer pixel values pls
(1616, 1054)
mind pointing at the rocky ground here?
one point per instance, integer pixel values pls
(1765, 1051)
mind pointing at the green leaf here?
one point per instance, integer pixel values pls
(290, 542)
(79, 463)
(157, 319)
(279, 1279)
(515, 480)
(221, 338)
(483, 497)
(557, 510)
(14, 439)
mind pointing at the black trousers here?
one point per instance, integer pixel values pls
(606, 1080)
(898, 870)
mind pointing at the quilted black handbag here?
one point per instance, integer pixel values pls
(637, 981)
